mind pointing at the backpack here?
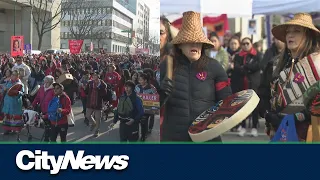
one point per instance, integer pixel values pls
(125, 107)
(54, 104)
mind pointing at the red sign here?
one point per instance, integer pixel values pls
(142, 51)
(75, 46)
(217, 24)
(17, 45)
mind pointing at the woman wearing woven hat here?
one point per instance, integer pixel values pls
(198, 81)
(295, 70)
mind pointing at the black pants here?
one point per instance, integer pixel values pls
(129, 133)
(151, 122)
(47, 129)
(255, 119)
(144, 125)
(62, 130)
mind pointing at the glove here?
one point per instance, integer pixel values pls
(273, 119)
(167, 86)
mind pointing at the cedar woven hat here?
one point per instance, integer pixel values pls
(300, 19)
(191, 31)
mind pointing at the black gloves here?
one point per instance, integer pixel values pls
(273, 119)
(166, 89)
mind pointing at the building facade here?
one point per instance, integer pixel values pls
(141, 25)
(109, 24)
(16, 17)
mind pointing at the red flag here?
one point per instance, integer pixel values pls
(75, 46)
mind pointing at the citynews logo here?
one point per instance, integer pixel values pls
(40, 160)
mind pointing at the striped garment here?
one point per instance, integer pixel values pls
(288, 98)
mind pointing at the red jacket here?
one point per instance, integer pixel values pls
(43, 98)
(66, 109)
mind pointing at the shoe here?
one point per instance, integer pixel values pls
(239, 129)
(150, 131)
(86, 121)
(96, 134)
(242, 132)
(142, 139)
(254, 132)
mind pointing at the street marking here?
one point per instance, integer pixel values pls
(84, 138)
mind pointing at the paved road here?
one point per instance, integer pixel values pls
(233, 137)
(81, 133)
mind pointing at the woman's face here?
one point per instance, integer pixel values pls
(234, 44)
(47, 83)
(110, 69)
(142, 81)
(8, 74)
(216, 42)
(163, 35)
(134, 76)
(14, 76)
(246, 45)
(16, 44)
(191, 50)
(295, 37)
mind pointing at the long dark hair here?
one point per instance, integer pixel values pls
(166, 23)
(311, 45)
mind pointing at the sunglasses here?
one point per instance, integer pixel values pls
(246, 44)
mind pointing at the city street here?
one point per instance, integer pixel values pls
(81, 133)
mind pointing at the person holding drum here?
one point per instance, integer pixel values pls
(198, 82)
(42, 100)
(295, 70)
(12, 107)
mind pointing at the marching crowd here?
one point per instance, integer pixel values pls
(279, 76)
(105, 83)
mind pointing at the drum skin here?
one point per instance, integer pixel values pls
(223, 116)
(14, 90)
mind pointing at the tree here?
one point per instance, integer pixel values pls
(138, 43)
(87, 19)
(46, 15)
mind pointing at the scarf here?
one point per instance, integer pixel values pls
(231, 52)
(244, 54)
(94, 94)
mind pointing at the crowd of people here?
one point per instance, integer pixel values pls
(293, 53)
(99, 81)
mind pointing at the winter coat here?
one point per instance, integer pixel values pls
(102, 94)
(222, 57)
(191, 96)
(246, 69)
(66, 110)
(43, 98)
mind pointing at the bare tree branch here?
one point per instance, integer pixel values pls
(47, 15)
(87, 22)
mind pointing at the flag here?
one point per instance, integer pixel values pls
(91, 47)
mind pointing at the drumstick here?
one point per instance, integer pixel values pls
(169, 49)
(169, 67)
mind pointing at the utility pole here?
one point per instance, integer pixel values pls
(14, 19)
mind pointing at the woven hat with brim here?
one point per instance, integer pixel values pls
(300, 19)
(191, 31)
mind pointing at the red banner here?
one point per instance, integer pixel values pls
(217, 24)
(75, 46)
(17, 45)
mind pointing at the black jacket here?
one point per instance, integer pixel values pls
(268, 56)
(251, 70)
(190, 97)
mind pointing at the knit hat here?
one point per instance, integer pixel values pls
(191, 31)
(300, 19)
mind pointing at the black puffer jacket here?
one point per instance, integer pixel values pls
(191, 97)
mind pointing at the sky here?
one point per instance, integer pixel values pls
(154, 6)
